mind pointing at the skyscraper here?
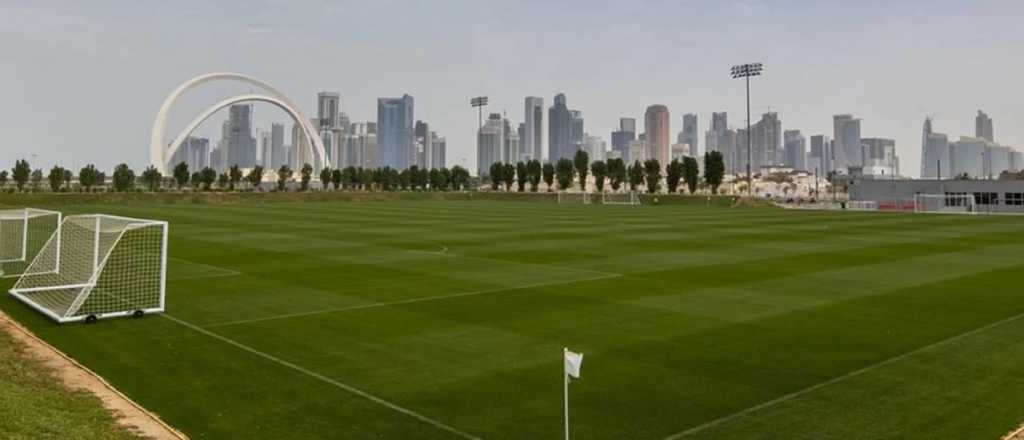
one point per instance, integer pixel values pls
(328, 109)
(934, 153)
(880, 156)
(689, 133)
(533, 123)
(623, 136)
(575, 133)
(795, 150)
(425, 146)
(395, 135)
(656, 127)
(559, 129)
(846, 139)
(240, 144)
(440, 147)
(767, 142)
(723, 140)
(489, 144)
(983, 127)
(278, 155)
(820, 156)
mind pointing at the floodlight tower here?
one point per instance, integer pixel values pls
(479, 102)
(746, 71)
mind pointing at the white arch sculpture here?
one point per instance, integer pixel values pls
(159, 153)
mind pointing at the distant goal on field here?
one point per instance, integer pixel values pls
(98, 266)
(23, 232)
(574, 198)
(623, 198)
(948, 203)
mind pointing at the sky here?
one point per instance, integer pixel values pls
(82, 81)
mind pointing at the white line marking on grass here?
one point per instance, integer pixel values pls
(837, 379)
(224, 272)
(406, 301)
(349, 388)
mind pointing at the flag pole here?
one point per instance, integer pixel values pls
(566, 377)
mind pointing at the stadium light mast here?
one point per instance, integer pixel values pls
(479, 102)
(746, 71)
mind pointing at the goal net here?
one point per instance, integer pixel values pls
(23, 232)
(625, 198)
(949, 203)
(98, 266)
(574, 198)
(862, 205)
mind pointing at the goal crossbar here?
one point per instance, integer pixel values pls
(23, 232)
(948, 203)
(626, 198)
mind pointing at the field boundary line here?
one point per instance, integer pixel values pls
(445, 253)
(406, 301)
(725, 419)
(225, 272)
(378, 400)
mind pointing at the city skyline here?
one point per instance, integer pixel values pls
(949, 78)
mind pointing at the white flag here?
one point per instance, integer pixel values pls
(573, 361)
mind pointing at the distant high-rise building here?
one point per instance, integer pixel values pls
(425, 146)
(689, 134)
(440, 147)
(395, 137)
(983, 127)
(967, 157)
(575, 133)
(723, 140)
(328, 109)
(239, 143)
(795, 150)
(656, 127)
(278, 154)
(560, 125)
(934, 153)
(880, 157)
(489, 144)
(767, 142)
(719, 121)
(846, 139)
(623, 136)
(524, 154)
(195, 152)
(820, 157)
(595, 147)
(533, 123)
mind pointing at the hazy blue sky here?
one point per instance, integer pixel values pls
(82, 80)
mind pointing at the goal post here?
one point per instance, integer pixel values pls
(98, 266)
(624, 198)
(23, 233)
(948, 203)
(575, 198)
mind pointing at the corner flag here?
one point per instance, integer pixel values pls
(573, 362)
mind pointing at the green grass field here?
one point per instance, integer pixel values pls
(446, 319)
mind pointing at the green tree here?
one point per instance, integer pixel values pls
(67, 178)
(87, 177)
(223, 180)
(21, 173)
(636, 175)
(534, 171)
(616, 173)
(522, 176)
(673, 174)
(208, 176)
(234, 176)
(600, 171)
(413, 177)
(56, 178)
(325, 178)
(691, 173)
(152, 178)
(3, 178)
(37, 178)
(564, 173)
(714, 170)
(350, 177)
(181, 174)
(124, 178)
(336, 178)
(495, 175)
(459, 178)
(508, 175)
(405, 179)
(307, 174)
(581, 161)
(283, 175)
(652, 175)
(196, 180)
(548, 171)
(255, 176)
(101, 178)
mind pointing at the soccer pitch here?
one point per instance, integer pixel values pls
(446, 319)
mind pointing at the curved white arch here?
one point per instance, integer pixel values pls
(167, 153)
(156, 145)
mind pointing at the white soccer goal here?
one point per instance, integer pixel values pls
(625, 198)
(949, 203)
(23, 232)
(98, 266)
(574, 198)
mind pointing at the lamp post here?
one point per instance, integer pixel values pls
(479, 102)
(746, 71)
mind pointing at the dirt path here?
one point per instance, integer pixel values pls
(76, 376)
(1018, 434)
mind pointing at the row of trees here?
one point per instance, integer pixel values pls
(614, 172)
